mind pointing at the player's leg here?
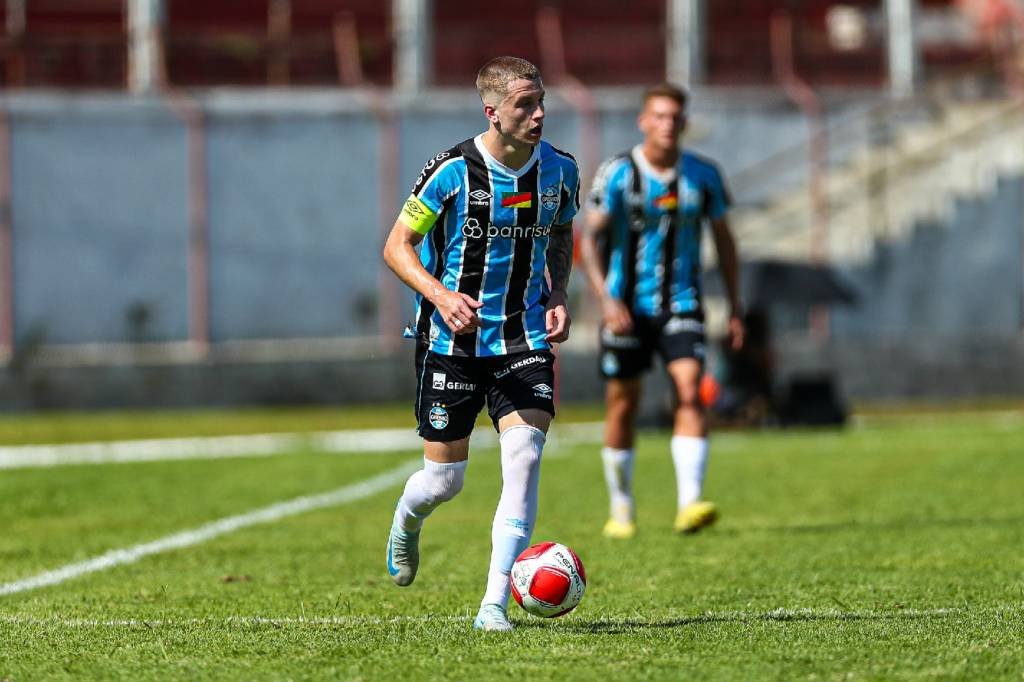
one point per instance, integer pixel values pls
(448, 399)
(521, 404)
(624, 358)
(622, 398)
(690, 447)
(440, 479)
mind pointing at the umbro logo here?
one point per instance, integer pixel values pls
(479, 197)
(413, 208)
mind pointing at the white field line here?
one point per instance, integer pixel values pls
(254, 445)
(780, 614)
(274, 512)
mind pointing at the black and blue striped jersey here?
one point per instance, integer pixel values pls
(486, 230)
(654, 238)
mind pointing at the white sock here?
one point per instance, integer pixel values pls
(516, 515)
(426, 489)
(618, 475)
(690, 456)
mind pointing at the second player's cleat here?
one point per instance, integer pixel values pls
(492, 618)
(403, 555)
(619, 530)
(695, 516)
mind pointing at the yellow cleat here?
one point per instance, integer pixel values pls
(695, 516)
(619, 530)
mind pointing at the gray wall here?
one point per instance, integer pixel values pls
(100, 188)
(962, 278)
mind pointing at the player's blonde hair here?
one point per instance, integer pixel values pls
(496, 75)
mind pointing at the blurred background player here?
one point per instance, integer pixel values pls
(641, 252)
(491, 212)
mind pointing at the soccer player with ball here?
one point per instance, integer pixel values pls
(494, 216)
(641, 253)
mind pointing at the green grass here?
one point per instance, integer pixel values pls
(888, 550)
(72, 427)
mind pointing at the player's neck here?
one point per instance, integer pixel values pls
(660, 158)
(505, 150)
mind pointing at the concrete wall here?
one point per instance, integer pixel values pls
(100, 233)
(100, 190)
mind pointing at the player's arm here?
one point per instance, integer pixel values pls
(559, 261)
(728, 265)
(614, 312)
(457, 309)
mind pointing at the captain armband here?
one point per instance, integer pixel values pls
(416, 215)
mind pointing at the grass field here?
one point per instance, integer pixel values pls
(891, 549)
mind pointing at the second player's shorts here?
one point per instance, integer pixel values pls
(671, 336)
(451, 390)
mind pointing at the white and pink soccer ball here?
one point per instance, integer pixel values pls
(548, 580)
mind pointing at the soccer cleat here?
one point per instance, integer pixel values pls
(403, 555)
(619, 530)
(695, 516)
(492, 618)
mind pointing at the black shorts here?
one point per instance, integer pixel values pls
(450, 390)
(671, 336)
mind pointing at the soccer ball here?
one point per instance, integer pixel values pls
(548, 580)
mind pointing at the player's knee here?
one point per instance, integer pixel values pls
(690, 400)
(521, 447)
(441, 485)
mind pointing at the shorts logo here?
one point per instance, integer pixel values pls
(542, 391)
(678, 325)
(438, 417)
(479, 197)
(532, 360)
(698, 351)
(613, 340)
(471, 228)
(549, 198)
(519, 364)
(439, 379)
(610, 364)
(459, 386)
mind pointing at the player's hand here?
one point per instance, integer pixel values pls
(737, 332)
(458, 311)
(556, 318)
(616, 316)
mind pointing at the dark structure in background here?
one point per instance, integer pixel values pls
(84, 43)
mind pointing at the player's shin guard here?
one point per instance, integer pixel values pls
(516, 515)
(434, 484)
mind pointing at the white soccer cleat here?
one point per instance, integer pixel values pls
(492, 618)
(403, 555)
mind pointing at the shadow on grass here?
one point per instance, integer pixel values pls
(626, 625)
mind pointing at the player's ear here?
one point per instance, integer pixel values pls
(491, 112)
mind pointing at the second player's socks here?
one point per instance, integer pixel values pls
(690, 456)
(618, 475)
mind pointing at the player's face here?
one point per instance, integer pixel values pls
(521, 114)
(662, 122)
